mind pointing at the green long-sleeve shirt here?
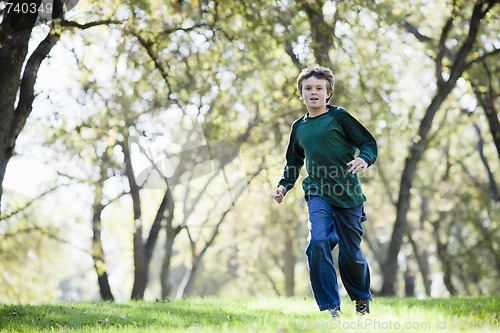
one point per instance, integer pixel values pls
(327, 143)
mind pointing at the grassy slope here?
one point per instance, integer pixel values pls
(471, 314)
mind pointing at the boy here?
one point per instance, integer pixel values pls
(327, 138)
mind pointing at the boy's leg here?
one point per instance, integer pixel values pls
(353, 266)
(322, 239)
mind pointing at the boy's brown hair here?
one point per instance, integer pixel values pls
(321, 73)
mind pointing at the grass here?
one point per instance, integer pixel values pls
(279, 315)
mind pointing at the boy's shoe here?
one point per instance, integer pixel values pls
(362, 306)
(334, 312)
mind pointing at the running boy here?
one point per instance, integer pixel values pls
(327, 138)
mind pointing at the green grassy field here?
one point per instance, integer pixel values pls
(470, 314)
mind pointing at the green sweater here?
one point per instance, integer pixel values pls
(327, 143)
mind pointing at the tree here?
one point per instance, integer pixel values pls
(450, 66)
(17, 83)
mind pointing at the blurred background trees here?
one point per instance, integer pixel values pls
(422, 76)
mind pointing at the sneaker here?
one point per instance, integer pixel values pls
(362, 306)
(334, 312)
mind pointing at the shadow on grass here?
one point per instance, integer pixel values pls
(102, 315)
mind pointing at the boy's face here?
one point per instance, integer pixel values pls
(315, 93)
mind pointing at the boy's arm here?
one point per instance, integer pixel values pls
(294, 162)
(361, 138)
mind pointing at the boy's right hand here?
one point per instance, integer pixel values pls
(279, 194)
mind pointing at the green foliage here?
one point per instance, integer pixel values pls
(232, 66)
(32, 243)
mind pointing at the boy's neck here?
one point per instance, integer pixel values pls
(317, 111)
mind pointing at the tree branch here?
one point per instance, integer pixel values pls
(27, 88)
(441, 45)
(32, 201)
(459, 63)
(83, 26)
(148, 46)
(51, 233)
(486, 99)
(414, 31)
(483, 57)
(493, 189)
(292, 55)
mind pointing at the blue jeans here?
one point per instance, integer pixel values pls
(328, 226)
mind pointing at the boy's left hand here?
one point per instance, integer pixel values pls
(357, 165)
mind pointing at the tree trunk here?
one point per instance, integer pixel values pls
(409, 283)
(140, 265)
(188, 279)
(166, 286)
(5, 155)
(97, 250)
(171, 234)
(421, 255)
(15, 33)
(423, 264)
(289, 262)
(444, 258)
